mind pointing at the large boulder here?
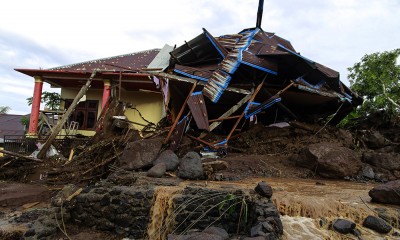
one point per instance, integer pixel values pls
(169, 158)
(386, 193)
(140, 154)
(377, 224)
(389, 161)
(190, 166)
(329, 160)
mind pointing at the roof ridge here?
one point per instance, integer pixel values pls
(102, 59)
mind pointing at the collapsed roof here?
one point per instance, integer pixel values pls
(253, 73)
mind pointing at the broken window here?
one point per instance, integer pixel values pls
(85, 113)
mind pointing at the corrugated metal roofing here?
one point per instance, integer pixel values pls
(198, 109)
(196, 73)
(131, 61)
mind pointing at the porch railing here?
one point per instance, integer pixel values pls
(27, 145)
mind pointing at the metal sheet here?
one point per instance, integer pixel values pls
(161, 61)
(195, 73)
(199, 111)
(132, 61)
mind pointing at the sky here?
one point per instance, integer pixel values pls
(45, 34)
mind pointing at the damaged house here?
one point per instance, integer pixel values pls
(211, 84)
(118, 76)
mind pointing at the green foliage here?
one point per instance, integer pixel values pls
(4, 109)
(228, 200)
(377, 80)
(25, 121)
(52, 100)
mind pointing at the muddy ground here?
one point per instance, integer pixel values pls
(259, 153)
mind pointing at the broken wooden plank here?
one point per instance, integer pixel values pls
(230, 111)
(225, 118)
(102, 163)
(180, 113)
(20, 156)
(76, 193)
(250, 100)
(65, 117)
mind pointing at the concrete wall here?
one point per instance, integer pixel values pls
(136, 212)
(149, 104)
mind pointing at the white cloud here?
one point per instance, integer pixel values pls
(33, 34)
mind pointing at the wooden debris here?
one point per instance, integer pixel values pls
(29, 205)
(76, 193)
(20, 156)
(65, 117)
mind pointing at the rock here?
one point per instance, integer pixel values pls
(264, 189)
(140, 154)
(367, 171)
(328, 160)
(343, 226)
(63, 194)
(195, 236)
(255, 238)
(390, 216)
(217, 231)
(169, 158)
(217, 165)
(377, 224)
(346, 138)
(356, 232)
(157, 171)
(386, 193)
(190, 166)
(31, 232)
(389, 161)
(374, 139)
(269, 229)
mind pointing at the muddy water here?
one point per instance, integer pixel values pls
(304, 202)
(161, 217)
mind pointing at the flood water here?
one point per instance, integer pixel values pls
(302, 204)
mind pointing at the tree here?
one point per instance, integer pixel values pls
(377, 80)
(52, 100)
(4, 109)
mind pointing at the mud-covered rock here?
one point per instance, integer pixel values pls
(367, 172)
(169, 158)
(157, 171)
(389, 161)
(63, 194)
(374, 139)
(217, 231)
(140, 154)
(328, 160)
(190, 166)
(343, 226)
(377, 224)
(386, 193)
(264, 189)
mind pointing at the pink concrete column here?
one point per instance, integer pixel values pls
(37, 97)
(106, 93)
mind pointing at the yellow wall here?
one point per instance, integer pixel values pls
(150, 105)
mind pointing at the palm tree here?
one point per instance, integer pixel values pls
(4, 109)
